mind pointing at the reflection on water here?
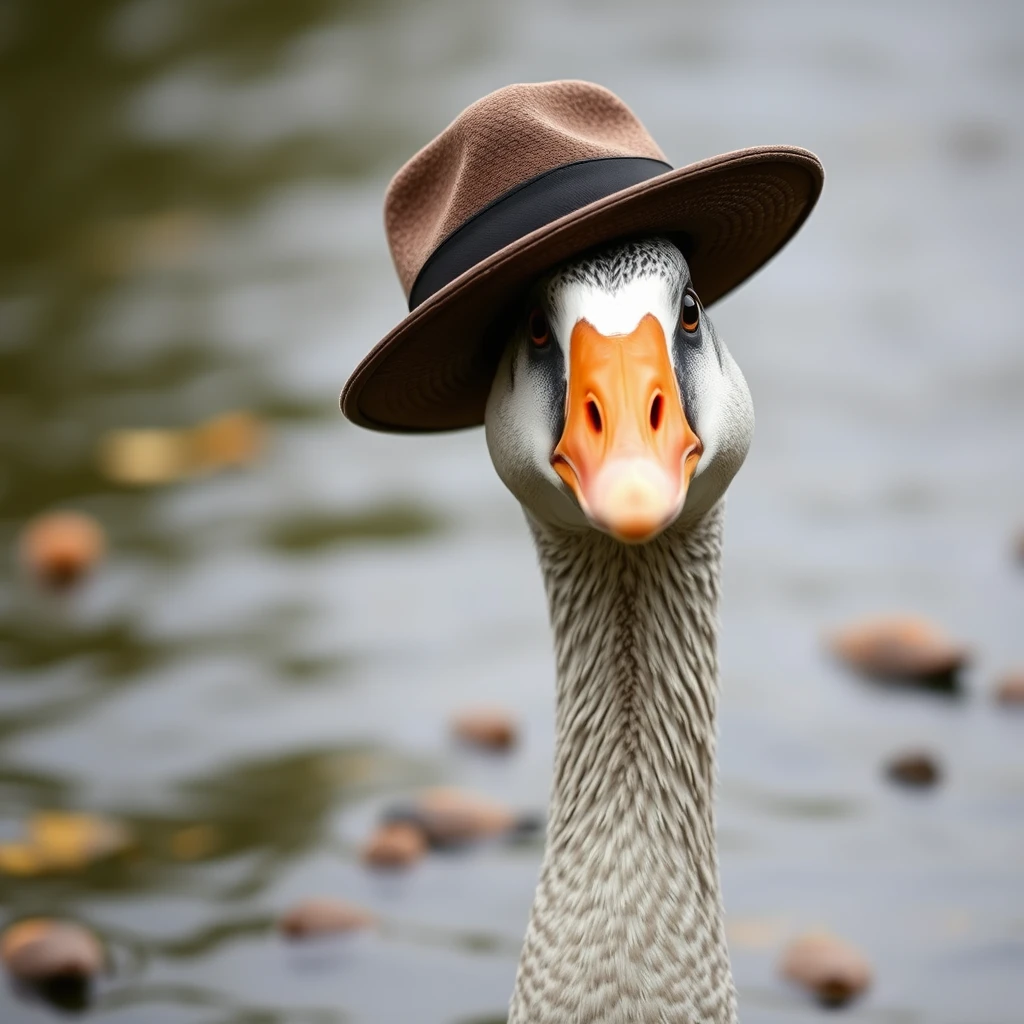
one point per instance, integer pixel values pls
(271, 651)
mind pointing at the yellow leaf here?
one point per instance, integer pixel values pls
(69, 841)
(144, 457)
(20, 859)
(234, 439)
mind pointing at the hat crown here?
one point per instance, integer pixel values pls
(501, 141)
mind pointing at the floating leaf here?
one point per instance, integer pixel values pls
(160, 241)
(21, 860)
(70, 841)
(195, 842)
(143, 458)
(234, 439)
(59, 842)
(146, 457)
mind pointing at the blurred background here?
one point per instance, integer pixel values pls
(205, 729)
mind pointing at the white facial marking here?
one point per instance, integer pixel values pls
(612, 313)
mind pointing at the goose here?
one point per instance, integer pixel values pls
(617, 418)
(552, 261)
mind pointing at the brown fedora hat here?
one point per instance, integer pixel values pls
(523, 179)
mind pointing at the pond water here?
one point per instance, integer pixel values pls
(270, 654)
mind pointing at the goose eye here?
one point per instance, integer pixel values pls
(540, 333)
(690, 315)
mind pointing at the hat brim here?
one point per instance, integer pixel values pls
(434, 370)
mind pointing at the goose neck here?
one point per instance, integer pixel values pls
(627, 920)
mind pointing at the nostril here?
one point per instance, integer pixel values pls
(657, 406)
(594, 415)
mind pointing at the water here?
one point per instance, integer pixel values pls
(191, 224)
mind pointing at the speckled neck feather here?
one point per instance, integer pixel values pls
(626, 926)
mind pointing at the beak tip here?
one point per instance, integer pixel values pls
(634, 502)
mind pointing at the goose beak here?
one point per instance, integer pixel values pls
(627, 452)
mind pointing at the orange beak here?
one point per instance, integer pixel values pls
(627, 451)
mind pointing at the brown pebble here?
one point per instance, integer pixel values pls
(915, 768)
(826, 966)
(488, 728)
(1010, 689)
(902, 649)
(323, 916)
(40, 950)
(450, 816)
(395, 844)
(59, 548)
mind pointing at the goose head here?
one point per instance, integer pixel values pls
(615, 405)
